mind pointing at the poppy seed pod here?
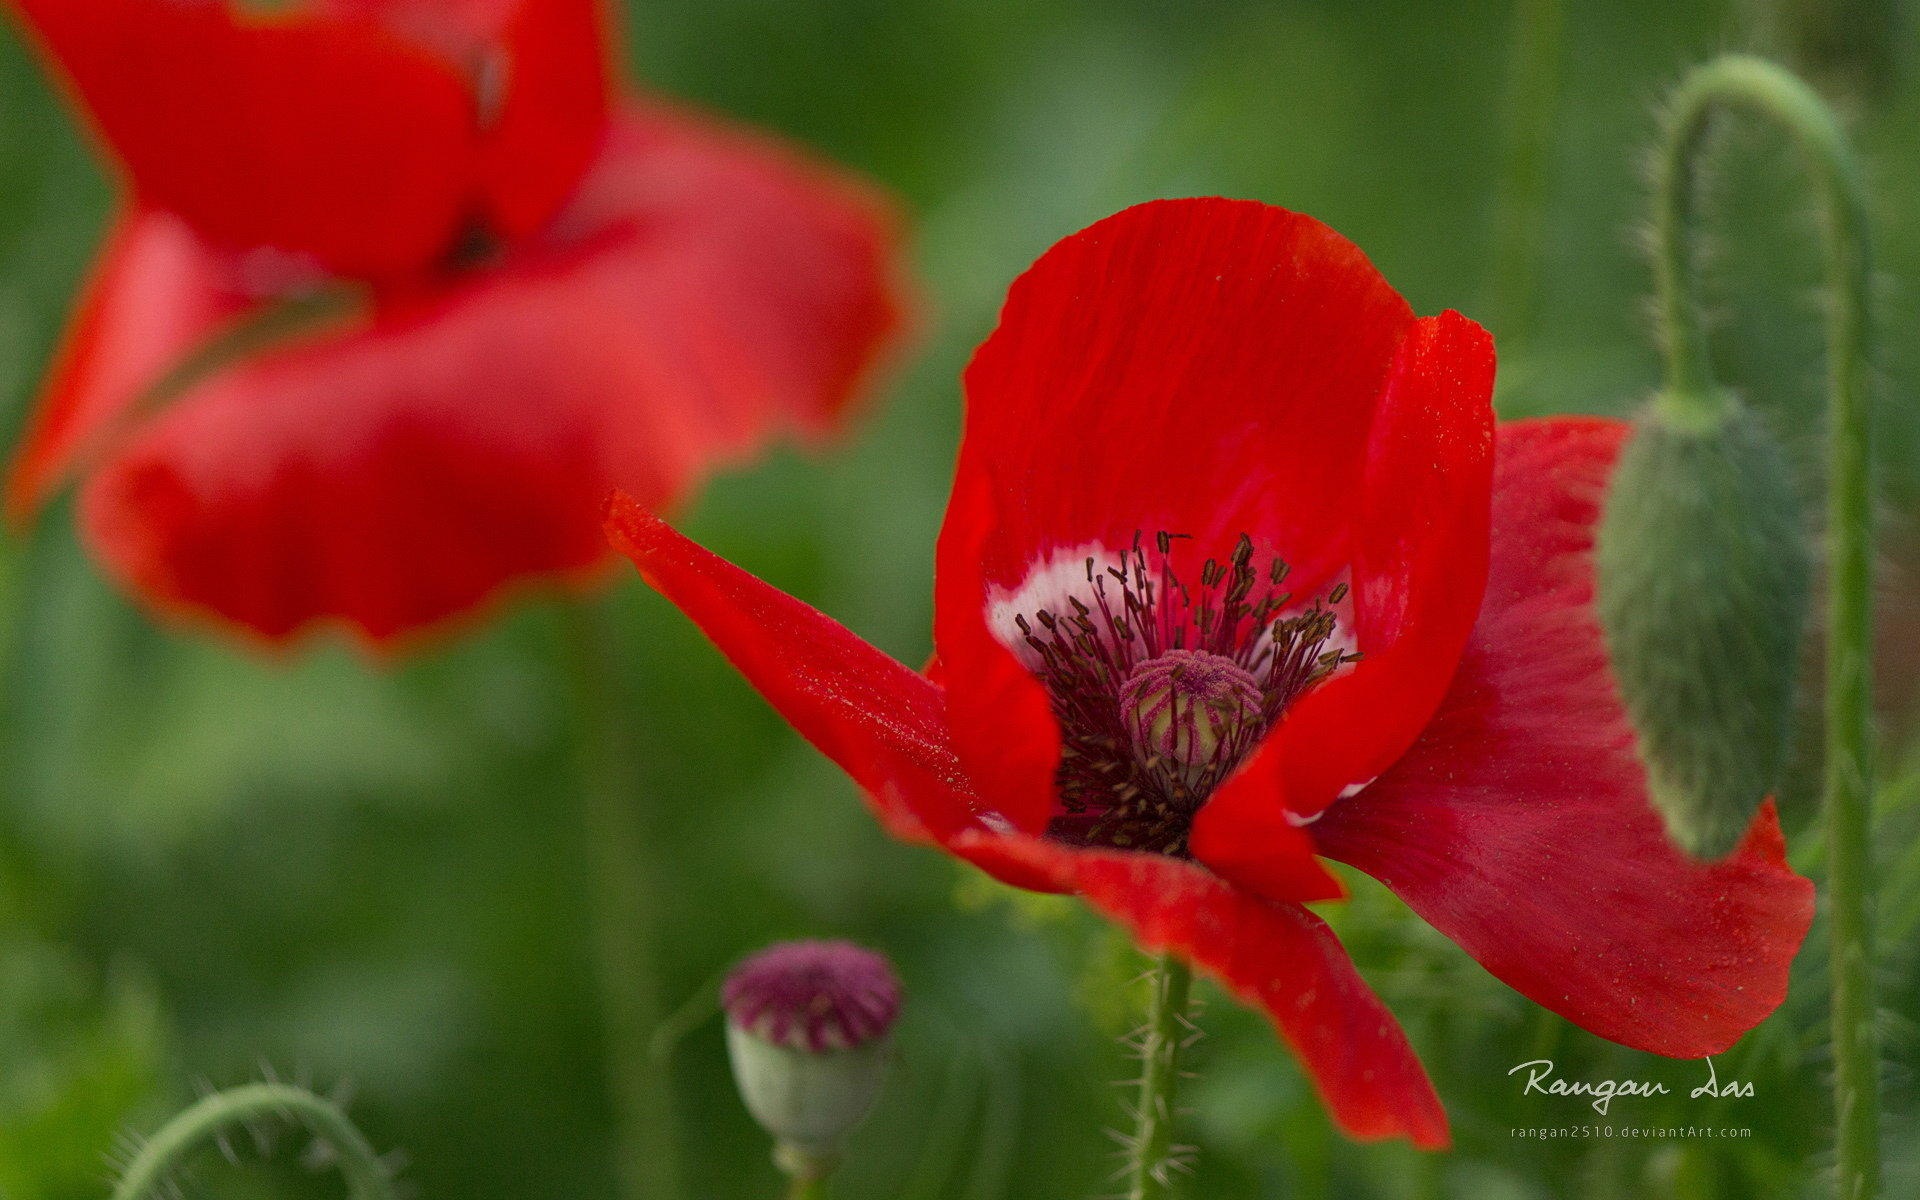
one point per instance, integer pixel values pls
(1703, 577)
(807, 1032)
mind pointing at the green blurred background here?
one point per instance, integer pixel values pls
(214, 867)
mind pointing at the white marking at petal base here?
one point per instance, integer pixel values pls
(1354, 789)
(1048, 585)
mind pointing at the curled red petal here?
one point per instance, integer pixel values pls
(1519, 825)
(883, 723)
(706, 291)
(1278, 958)
(1419, 564)
(1246, 833)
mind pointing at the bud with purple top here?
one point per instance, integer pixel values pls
(807, 1031)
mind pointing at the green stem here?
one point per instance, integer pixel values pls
(808, 1189)
(1756, 86)
(1532, 104)
(1150, 1150)
(621, 864)
(18, 896)
(231, 1111)
(271, 324)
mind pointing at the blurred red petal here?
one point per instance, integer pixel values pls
(885, 725)
(554, 114)
(540, 75)
(157, 292)
(767, 275)
(706, 291)
(1519, 824)
(1278, 958)
(328, 137)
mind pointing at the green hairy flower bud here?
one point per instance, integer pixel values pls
(1703, 579)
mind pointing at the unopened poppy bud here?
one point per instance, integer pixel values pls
(1703, 576)
(807, 1030)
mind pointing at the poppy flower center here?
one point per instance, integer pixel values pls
(1162, 689)
(1183, 708)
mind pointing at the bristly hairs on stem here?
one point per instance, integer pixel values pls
(1763, 89)
(155, 1164)
(1152, 1158)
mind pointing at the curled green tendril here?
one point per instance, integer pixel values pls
(224, 1112)
(1760, 88)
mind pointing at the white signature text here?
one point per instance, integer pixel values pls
(1540, 1079)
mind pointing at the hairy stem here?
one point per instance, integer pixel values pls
(1150, 1150)
(1755, 86)
(622, 877)
(233, 1111)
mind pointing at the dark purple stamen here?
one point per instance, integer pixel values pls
(1162, 691)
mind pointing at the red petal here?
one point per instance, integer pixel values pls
(711, 292)
(1205, 367)
(540, 75)
(1003, 724)
(770, 277)
(1243, 834)
(1279, 958)
(1519, 823)
(156, 292)
(885, 725)
(554, 116)
(1419, 564)
(327, 137)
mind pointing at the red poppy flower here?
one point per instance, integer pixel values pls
(555, 292)
(1238, 573)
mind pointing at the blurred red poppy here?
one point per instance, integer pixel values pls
(1238, 572)
(555, 291)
